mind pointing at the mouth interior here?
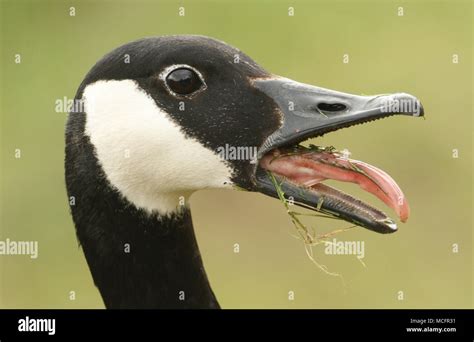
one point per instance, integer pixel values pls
(309, 167)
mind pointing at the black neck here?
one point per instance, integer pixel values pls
(154, 263)
(137, 260)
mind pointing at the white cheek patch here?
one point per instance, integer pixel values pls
(144, 154)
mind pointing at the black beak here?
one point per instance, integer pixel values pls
(307, 112)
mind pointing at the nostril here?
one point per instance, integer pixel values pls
(331, 107)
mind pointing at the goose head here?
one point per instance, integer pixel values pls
(171, 115)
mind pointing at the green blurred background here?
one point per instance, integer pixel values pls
(388, 53)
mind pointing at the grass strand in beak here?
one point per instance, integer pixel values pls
(308, 234)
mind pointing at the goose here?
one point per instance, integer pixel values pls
(155, 112)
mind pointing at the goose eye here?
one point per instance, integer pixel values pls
(184, 81)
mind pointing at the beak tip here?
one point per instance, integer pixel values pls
(421, 110)
(406, 104)
(416, 107)
(393, 227)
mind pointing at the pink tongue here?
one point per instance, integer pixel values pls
(315, 167)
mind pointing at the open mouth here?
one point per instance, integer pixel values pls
(306, 168)
(301, 171)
